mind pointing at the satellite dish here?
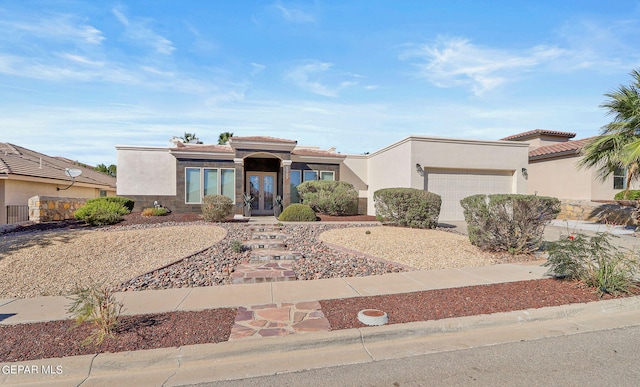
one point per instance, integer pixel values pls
(72, 173)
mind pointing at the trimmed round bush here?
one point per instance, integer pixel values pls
(124, 202)
(407, 207)
(508, 222)
(216, 208)
(101, 212)
(329, 197)
(634, 194)
(298, 213)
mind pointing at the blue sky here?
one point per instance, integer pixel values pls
(79, 77)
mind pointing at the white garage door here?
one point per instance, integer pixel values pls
(454, 185)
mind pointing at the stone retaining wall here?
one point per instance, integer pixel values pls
(49, 209)
(614, 212)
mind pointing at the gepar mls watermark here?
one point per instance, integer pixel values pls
(21, 369)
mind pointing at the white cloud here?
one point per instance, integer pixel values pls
(452, 62)
(314, 76)
(140, 33)
(54, 27)
(294, 15)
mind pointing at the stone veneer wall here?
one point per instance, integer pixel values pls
(615, 212)
(49, 208)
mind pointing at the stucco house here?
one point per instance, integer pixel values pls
(553, 168)
(25, 173)
(178, 176)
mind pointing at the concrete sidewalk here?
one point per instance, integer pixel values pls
(266, 356)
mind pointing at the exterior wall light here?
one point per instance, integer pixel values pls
(525, 173)
(419, 169)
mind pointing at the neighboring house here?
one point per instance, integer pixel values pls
(179, 176)
(25, 173)
(553, 168)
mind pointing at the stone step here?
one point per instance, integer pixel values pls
(257, 244)
(264, 255)
(268, 235)
(263, 272)
(265, 228)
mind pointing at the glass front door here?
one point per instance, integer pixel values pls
(261, 187)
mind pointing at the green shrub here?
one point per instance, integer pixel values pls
(216, 208)
(593, 261)
(155, 211)
(329, 197)
(634, 194)
(508, 222)
(124, 202)
(298, 213)
(407, 207)
(101, 212)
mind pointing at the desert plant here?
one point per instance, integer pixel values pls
(101, 212)
(298, 213)
(407, 207)
(508, 222)
(594, 261)
(160, 211)
(236, 246)
(216, 208)
(97, 305)
(329, 197)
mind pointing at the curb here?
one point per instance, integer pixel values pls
(267, 356)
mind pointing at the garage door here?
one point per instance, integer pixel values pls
(454, 185)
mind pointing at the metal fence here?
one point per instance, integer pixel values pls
(16, 214)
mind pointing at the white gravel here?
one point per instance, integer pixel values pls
(418, 248)
(54, 262)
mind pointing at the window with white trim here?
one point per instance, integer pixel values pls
(209, 181)
(327, 175)
(620, 178)
(310, 175)
(295, 179)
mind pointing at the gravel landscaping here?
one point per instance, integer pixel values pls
(52, 262)
(328, 249)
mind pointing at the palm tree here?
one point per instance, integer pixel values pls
(190, 138)
(618, 146)
(224, 138)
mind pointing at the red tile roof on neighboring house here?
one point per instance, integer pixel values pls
(262, 139)
(538, 132)
(559, 149)
(203, 148)
(316, 152)
(16, 160)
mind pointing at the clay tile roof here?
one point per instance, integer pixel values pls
(561, 148)
(538, 132)
(262, 139)
(203, 148)
(16, 160)
(315, 152)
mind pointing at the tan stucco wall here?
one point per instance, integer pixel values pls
(395, 165)
(18, 192)
(354, 170)
(562, 178)
(146, 171)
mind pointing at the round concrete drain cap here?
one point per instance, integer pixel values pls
(373, 317)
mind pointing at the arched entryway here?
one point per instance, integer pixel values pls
(263, 181)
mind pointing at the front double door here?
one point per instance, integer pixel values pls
(261, 186)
